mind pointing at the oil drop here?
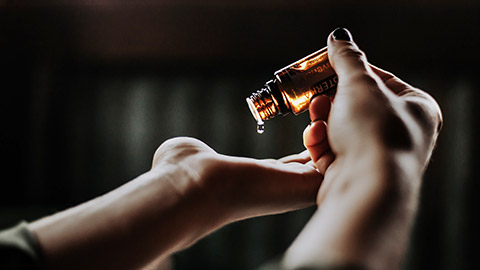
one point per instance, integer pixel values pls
(260, 127)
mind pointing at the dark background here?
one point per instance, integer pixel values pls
(89, 89)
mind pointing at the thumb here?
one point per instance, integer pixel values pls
(344, 55)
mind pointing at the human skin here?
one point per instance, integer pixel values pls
(190, 191)
(366, 155)
(373, 143)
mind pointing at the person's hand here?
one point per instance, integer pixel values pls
(235, 188)
(372, 144)
(374, 113)
(190, 191)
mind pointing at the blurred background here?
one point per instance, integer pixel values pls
(89, 89)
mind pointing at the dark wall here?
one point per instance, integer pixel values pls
(89, 91)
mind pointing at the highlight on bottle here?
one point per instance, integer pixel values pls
(292, 88)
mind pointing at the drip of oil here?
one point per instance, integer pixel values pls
(260, 127)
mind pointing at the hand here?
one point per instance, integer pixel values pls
(374, 113)
(372, 144)
(236, 187)
(190, 191)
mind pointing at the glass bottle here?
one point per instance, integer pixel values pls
(292, 88)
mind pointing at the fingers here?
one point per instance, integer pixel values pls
(259, 187)
(315, 135)
(316, 141)
(393, 83)
(302, 158)
(319, 108)
(359, 91)
(420, 104)
(345, 56)
(352, 67)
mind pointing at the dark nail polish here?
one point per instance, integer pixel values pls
(342, 34)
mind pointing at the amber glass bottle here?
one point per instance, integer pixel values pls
(293, 86)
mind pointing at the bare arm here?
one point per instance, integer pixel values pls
(189, 192)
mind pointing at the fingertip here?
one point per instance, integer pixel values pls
(324, 162)
(341, 34)
(306, 131)
(315, 133)
(338, 35)
(344, 55)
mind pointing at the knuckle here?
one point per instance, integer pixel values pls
(363, 91)
(354, 53)
(425, 110)
(363, 80)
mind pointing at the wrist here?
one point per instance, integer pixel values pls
(367, 206)
(193, 185)
(158, 213)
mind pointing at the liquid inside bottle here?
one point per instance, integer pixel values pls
(293, 86)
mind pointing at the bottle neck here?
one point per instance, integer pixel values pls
(262, 105)
(278, 96)
(268, 102)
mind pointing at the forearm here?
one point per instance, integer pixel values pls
(365, 219)
(127, 227)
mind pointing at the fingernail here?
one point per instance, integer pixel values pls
(341, 34)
